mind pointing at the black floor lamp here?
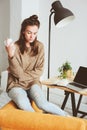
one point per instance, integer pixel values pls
(62, 17)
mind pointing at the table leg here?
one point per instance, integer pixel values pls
(65, 100)
(74, 110)
(48, 94)
(83, 114)
(78, 105)
(77, 109)
(72, 102)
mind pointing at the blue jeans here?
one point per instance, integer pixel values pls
(22, 98)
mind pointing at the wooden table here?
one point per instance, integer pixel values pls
(50, 83)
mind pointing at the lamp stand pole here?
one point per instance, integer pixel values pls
(49, 39)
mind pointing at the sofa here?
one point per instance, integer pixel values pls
(12, 118)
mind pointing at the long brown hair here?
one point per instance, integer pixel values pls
(32, 20)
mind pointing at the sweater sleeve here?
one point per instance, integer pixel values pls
(28, 75)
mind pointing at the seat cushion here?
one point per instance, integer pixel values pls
(12, 118)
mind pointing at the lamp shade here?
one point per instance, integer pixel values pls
(62, 16)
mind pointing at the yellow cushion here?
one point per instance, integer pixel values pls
(12, 118)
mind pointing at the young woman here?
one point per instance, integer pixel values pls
(26, 64)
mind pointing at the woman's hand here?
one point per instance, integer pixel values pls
(10, 47)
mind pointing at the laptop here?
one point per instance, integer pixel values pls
(80, 81)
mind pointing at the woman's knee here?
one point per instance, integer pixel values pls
(25, 105)
(19, 96)
(17, 92)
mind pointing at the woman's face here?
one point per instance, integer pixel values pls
(30, 33)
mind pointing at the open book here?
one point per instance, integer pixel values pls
(55, 81)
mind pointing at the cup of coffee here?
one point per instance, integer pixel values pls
(8, 42)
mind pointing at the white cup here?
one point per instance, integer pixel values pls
(8, 42)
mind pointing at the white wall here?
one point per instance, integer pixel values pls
(4, 30)
(29, 7)
(15, 18)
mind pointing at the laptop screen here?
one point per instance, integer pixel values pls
(81, 76)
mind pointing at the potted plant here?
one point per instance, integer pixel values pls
(65, 70)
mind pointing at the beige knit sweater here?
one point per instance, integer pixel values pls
(25, 70)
